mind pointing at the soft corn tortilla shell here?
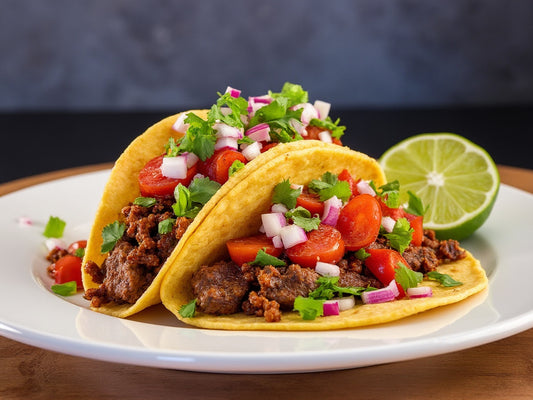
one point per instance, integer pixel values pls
(239, 214)
(122, 188)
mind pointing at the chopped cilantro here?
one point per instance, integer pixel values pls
(415, 206)
(166, 226)
(329, 185)
(302, 217)
(237, 105)
(284, 194)
(407, 278)
(183, 207)
(294, 94)
(444, 279)
(65, 289)
(328, 288)
(309, 308)
(401, 235)
(188, 310)
(172, 149)
(145, 201)
(202, 189)
(235, 166)
(199, 139)
(362, 254)
(80, 252)
(54, 227)
(111, 235)
(189, 201)
(263, 258)
(336, 130)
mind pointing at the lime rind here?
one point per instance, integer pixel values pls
(457, 178)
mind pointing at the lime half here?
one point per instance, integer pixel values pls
(455, 177)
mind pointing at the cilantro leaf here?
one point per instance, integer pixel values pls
(389, 193)
(145, 201)
(199, 139)
(284, 194)
(444, 279)
(111, 235)
(65, 289)
(309, 308)
(336, 130)
(329, 185)
(415, 206)
(172, 149)
(263, 258)
(166, 226)
(237, 105)
(401, 235)
(80, 252)
(202, 189)
(407, 278)
(237, 165)
(362, 254)
(294, 94)
(188, 310)
(54, 227)
(302, 217)
(328, 288)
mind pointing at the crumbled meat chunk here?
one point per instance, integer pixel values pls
(260, 306)
(421, 259)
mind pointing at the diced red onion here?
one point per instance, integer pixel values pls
(55, 243)
(322, 108)
(265, 99)
(279, 207)
(273, 222)
(332, 209)
(277, 242)
(419, 291)
(381, 295)
(388, 223)
(259, 133)
(252, 151)
(325, 137)
(291, 235)
(25, 221)
(191, 159)
(174, 167)
(254, 106)
(224, 130)
(233, 92)
(331, 308)
(198, 176)
(327, 269)
(180, 125)
(363, 187)
(226, 142)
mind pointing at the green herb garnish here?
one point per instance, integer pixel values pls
(444, 279)
(65, 289)
(284, 194)
(329, 185)
(165, 226)
(415, 205)
(144, 201)
(188, 310)
(237, 165)
(54, 228)
(302, 217)
(401, 235)
(407, 278)
(111, 235)
(309, 308)
(263, 258)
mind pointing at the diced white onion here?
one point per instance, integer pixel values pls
(252, 151)
(294, 186)
(272, 223)
(224, 142)
(259, 133)
(298, 126)
(325, 137)
(55, 243)
(308, 113)
(174, 167)
(180, 125)
(344, 303)
(322, 108)
(224, 130)
(233, 92)
(363, 187)
(419, 291)
(24, 221)
(332, 209)
(277, 242)
(327, 269)
(279, 207)
(191, 159)
(291, 235)
(330, 308)
(388, 223)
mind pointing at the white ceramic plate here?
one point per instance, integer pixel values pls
(31, 313)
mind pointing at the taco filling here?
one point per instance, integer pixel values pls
(323, 248)
(176, 183)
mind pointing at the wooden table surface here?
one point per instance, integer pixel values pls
(498, 370)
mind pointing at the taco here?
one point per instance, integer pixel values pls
(321, 244)
(167, 180)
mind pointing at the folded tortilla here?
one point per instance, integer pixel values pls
(122, 188)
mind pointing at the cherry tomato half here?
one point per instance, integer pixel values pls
(323, 244)
(217, 166)
(67, 269)
(80, 244)
(359, 222)
(313, 131)
(311, 202)
(417, 223)
(243, 250)
(152, 183)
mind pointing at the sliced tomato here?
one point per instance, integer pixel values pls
(243, 250)
(311, 202)
(152, 183)
(347, 177)
(359, 222)
(323, 244)
(217, 166)
(80, 244)
(383, 264)
(67, 269)
(268, 146)
(417, 223)
(394, 213)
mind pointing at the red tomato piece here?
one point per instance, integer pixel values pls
(152, 183)
(80, 244)
(311, 202)
(217, 166)
(67, 269)
(394, 213)
(243, 250)
(268, 146)
(359, 222)
(313, 131)
(323, 244)
(417, 223)
(383, 263)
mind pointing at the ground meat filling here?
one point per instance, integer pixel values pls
(226, 288)
(137, 257)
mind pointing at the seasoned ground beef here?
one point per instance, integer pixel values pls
(137, 257)
(260, 306)
(219, 288)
